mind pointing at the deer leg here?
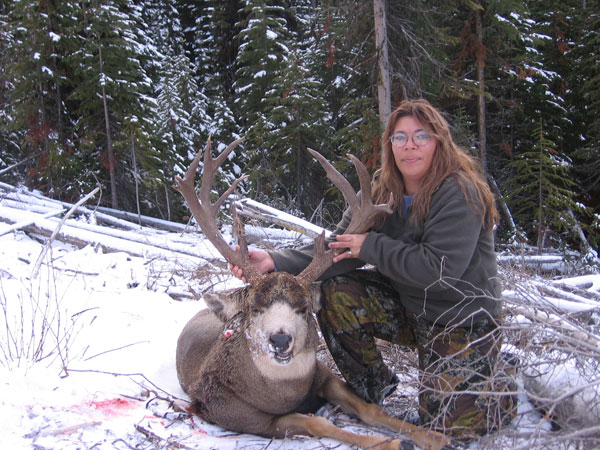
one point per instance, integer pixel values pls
(300, 424)
(336, 392)
(251, 420)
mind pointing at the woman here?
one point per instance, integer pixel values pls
(434, 287)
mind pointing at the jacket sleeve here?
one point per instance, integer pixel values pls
(444, 249)
(295, 260)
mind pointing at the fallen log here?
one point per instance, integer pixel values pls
(121, 219)
(250, 208)
(119, 241)
(25, 223)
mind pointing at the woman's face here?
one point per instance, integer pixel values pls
(413, 148)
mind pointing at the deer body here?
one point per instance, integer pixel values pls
(249, 362)
(232, 369)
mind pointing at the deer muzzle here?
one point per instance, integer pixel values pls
(280, 345)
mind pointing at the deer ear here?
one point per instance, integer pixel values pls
(314, 292)
(223, 304)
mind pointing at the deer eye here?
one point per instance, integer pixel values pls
(254, 309)
(303, 310)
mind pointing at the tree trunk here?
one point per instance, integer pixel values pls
(480, 63)
(541, 216)
(135, 177)
(109, 150)
(383, 86)
(504, 209)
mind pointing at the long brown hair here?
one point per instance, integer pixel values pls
(448, 160)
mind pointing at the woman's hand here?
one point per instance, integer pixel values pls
(261, 260)
(352, 242)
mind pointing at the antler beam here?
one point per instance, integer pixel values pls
(205, 212)
(364, 212)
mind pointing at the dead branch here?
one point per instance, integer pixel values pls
(48, 243)
(130, 375)
(159, 440)
(71, 429)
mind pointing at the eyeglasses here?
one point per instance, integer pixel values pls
(420, 138)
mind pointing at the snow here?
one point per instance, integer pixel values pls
(96, 315)
(55, 37)
(87, 349)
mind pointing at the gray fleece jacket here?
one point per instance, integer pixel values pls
(443, 269)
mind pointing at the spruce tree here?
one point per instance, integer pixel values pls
(542, 192)
(584, 101)
(111, 87)
(262, 57)
(213, 56)
(36, 73)
(10, 138)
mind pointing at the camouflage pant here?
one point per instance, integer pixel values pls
(457, 394)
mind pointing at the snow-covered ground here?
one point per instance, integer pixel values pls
(87, 349)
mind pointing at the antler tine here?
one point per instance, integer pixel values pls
(205, 212)
(322, 260)
(337, 179)
(364, 212)
(365, 187)
(210, 166)
(364, 217)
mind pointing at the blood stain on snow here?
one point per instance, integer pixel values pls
(111, 406)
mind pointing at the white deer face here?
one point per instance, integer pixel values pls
(280, 330)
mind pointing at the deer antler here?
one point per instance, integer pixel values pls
(205, 212)
(364, 213)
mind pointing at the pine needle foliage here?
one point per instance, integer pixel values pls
(541, 191)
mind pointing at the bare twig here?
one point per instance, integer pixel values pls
(49, 241)
(23, 161)
(130, 375)
(71, 429)
(115, 349)
(171, 443)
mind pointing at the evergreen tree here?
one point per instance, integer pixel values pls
(263, 54)
(297, 119)
(36, 81)
(184, 122)
(542, 195)
(262, 57)
(584, 101)
(349, 74)
(555, 34)
(214, 56)
(9, 138)
(111, 87)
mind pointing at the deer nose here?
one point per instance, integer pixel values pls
(280, 341)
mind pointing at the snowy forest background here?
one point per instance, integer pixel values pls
(122, 93)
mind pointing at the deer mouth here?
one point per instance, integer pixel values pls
(281, 357)
(281, 347)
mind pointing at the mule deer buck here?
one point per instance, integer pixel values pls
(248, 362)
